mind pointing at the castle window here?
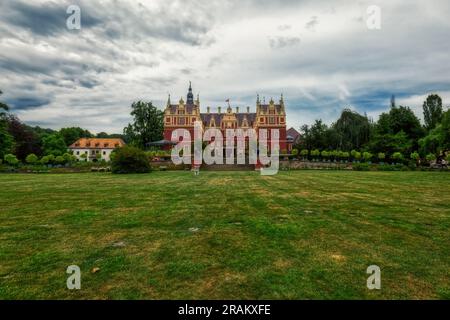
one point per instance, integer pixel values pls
(261, 119)
(181, 121)
(271, 120)
(168, 119)
(78, 153)
(282, 119)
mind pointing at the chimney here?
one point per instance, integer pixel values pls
(207, 109)
(219, 109)
(248, 109)
(237, 109)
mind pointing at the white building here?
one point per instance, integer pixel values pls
(95, 149)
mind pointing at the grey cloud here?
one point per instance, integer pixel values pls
(311, 24)
(282, 42)
(24, 103)
(284, 27)
(45, 20)
(227, 48)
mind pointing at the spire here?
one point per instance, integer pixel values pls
(190, 96)
(257, 99)
(168, 101)
(392, 101)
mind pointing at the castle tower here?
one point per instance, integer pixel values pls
(190, 95)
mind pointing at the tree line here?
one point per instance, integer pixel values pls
(398, 133)
(23, 143)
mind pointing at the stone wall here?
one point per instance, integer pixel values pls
(296, 165)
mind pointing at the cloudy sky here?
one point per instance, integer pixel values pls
(320, 54)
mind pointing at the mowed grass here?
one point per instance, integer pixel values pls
(226, 235)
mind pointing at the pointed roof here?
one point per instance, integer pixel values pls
(190, 95)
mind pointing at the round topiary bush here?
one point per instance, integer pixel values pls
(130, 160)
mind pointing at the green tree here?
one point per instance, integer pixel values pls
(60, 160)
(304, 153)
(437, 140)
(147, 124)
(367, 156)
(432, 111)
(352, 130)
(397, 156)
(314, 137)
(130, 159)
(11, 159)
(32, 159)
(69, 158)
(26, 141)
(416, 157)
(430, 157)
(54, 144)
(45, 160)
(6, 139)
(315, 153)
(3, 106)
(381, 156)
(344, 155)
(398, 130)
(72, 134)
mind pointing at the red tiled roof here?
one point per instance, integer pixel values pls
(97, 143)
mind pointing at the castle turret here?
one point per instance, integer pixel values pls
(190, 95)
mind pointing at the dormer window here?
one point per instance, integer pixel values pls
(106, 145)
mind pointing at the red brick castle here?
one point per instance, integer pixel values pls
(267, 116)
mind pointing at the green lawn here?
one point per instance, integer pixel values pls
(296, 235)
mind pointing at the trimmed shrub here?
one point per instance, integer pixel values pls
(397, 156)
(31, 159)
(11, 159)
(367, 156)
(414, 156)
(60, 160)
(130, 160)
(45, 160)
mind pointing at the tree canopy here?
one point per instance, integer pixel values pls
(72, 134)
(432, 111)
(54, 144)
(147, 125)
